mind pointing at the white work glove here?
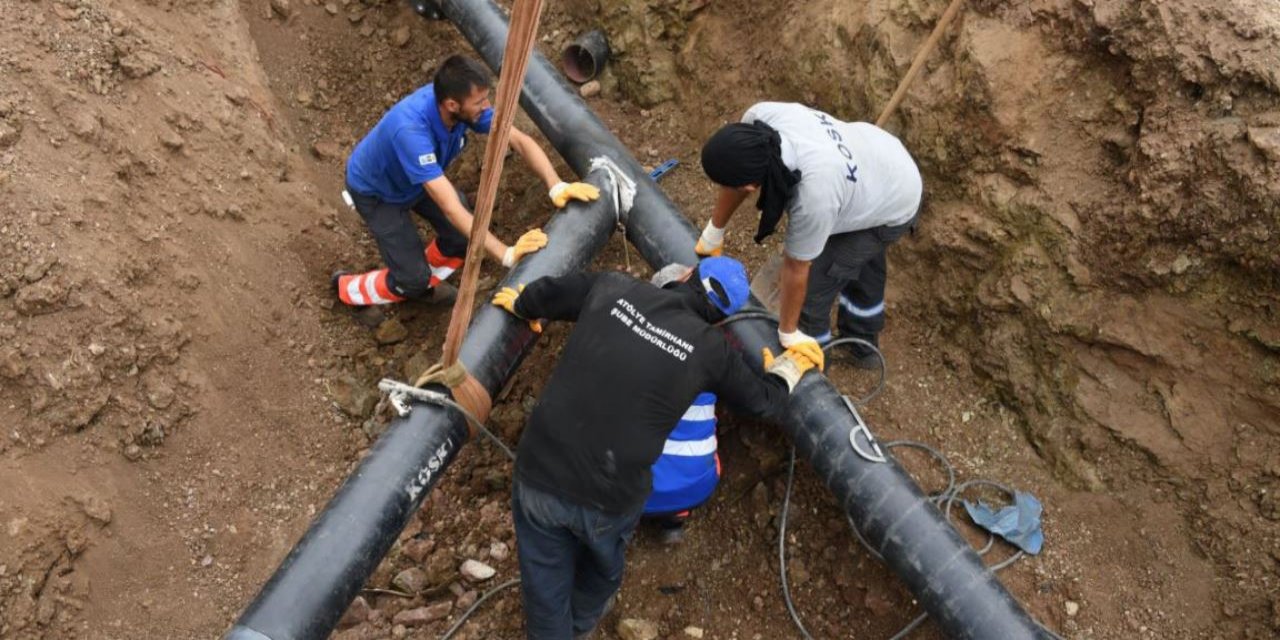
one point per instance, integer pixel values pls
(711, 242)
(799, 342)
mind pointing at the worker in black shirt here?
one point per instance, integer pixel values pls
(635, 361)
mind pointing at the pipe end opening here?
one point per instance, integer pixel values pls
(578, 63)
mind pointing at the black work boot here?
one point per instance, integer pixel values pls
(335, 277)
(671, 536)
(369, 317)
(860, 355)
(442, 294)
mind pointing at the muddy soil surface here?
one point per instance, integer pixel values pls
(180, 395)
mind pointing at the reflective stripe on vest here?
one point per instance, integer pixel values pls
(690, 448)
(700, 413)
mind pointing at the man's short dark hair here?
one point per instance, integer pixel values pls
(458, 76)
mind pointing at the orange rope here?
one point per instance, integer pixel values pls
(515, 61)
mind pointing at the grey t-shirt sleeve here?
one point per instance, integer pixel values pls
(811, 217)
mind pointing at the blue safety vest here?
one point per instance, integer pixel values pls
(686, 473)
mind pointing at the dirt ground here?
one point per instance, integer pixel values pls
(180, 396)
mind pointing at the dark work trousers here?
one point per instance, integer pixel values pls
(853, 268)
(401, 246)
(571, 561)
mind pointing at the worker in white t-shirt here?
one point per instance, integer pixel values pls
(850, 189)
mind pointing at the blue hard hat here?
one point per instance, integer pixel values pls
(725, 281)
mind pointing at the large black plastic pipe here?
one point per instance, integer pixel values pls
(327, 568)
(918, 544)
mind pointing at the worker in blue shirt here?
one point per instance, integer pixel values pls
(399, 167)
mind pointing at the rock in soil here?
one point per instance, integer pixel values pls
(171, 140)
(97, 509)
(590, 89)
(423, 615)
(12, 364)
(637, 629)
(440, 567)
(326, 150)
(391, 331)
(363, 631)
(467, 599)
(476, 571)
(42, 297)
(359, 610)
(417, 549)
(354, 398)
(499, 551)
(1267, 140)
(280, 8)
(139, 65)
(9, 134)
(400, 37)
(878, 603)
(38, 268)
(411, 580)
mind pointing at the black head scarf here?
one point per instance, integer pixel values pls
(740, 154)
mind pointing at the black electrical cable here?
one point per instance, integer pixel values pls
(884, 366)
(463, 618)
(944, 499)
(782, 549)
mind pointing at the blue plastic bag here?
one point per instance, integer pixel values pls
(1019, 523)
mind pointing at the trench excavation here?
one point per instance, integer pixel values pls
(1088, 313)
(326, 569)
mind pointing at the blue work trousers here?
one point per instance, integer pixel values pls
(571, 561)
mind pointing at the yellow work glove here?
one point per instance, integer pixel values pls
(528, 243)
(797, 341)
(563, 192)
(790, 366)
(711, 242)
(506, 298)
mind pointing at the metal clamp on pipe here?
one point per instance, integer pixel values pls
(400, 394)
(860, 438)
